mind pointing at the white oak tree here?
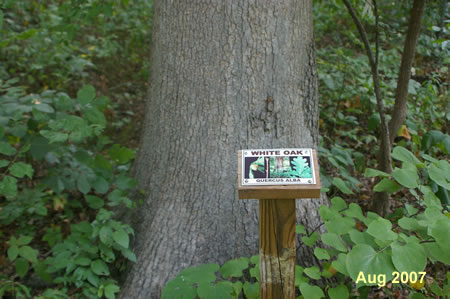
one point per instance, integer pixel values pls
(225, 75)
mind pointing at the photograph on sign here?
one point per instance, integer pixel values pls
(277, 167)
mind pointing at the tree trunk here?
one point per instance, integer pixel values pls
(225, 75)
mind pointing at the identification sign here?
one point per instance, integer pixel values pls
(278, 167)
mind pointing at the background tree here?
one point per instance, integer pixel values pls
(225, 76)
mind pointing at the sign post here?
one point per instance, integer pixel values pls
(277, 177)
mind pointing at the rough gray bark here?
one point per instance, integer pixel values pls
(225, 75)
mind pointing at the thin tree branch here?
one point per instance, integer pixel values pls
(409, 49)
(377, 35)
(376, 82)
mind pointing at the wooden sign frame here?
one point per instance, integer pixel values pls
(277, 221)
(280, 191)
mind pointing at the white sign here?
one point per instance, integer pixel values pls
(284, 166)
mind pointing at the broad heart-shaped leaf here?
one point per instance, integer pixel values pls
(339, 292)
(223, 289)
(311, 292)
(370, 172)
(381, 230)
(363, 258)
(178, 288)
(340, 225)
(440, 173)
(386, 185)
(99, 267)
(440, 230)
(406, 177)
(333, 240)
(354, 211)
(121, 238)
(408, 258)
(340, 264)
(94, 202)
(313, 272)
(321, 254)
(338, 204)
(362, 238)
(338, 182)
(202, 273)
(86, 94)
(251, 290)
(410, 224)
(402, 154)
(437, 252)
(300, 229)
(311, 240)
(234, 268)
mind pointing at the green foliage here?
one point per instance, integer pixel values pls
(356, 245)
(57, 143)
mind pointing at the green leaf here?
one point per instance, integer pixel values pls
(408, 258)
(321, 254)
(22, 267)
(339, 292)
(94, 202)
(437, 252)
(94, 116)
(223, 289)
(300, 229)
(234, 268)
(440, 230)
(46, 108)
(28, 253)
(440, 173)
(54, 137)
(354, 211)
(86, 94)
(20, 169)
(313, 272)
(24, 240)
(101, 185)
(121, 238)
(120, 155)
(362, 238)
(338, 204)
(381, 230)
(364, 259)
(6, 149)
(128, 254)
(386, 185)
(3, 163)
(251, 290)
(202, 273)
(340, 264)
(332, 239)
(40, 146)
(340, 225)
(13, 252)
(310, 241)
(311, 292)
(83, 184)
(105, 234)
(110, 290)
(8, 186)
(409, 224)
(82, 261)
(406, 177)
(178, 288)
(370, 172)
(402, 154)
(338, 182)
(99, 267)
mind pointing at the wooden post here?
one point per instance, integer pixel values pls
(277, 220)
